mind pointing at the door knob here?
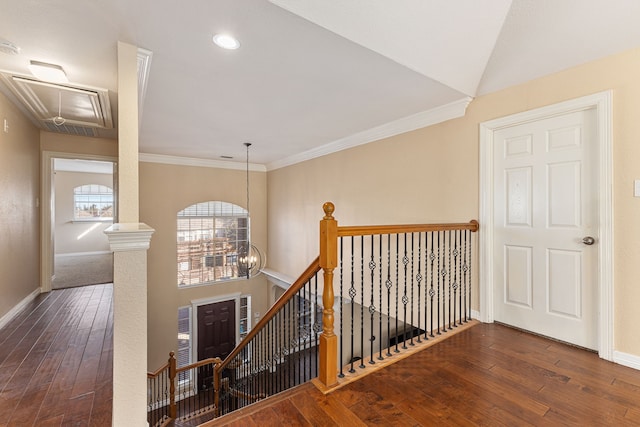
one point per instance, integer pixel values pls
(588, 240)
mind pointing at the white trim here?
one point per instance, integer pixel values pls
(626, 359)
(423, 119)
(129, 236)
(279, 279)
(602, 102)
(70, 254)
(475, 314)
(192, 161)
(17, 308)
(47, 207)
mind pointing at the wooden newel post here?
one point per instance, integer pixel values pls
(328, 374)
(172, 386)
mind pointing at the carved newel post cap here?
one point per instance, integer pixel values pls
(328, 209)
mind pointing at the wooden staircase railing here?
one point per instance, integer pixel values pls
(432, 266)
(284, 339)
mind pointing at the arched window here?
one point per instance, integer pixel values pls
(93, 201)
(210, 236)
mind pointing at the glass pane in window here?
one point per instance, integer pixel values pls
(208, 241)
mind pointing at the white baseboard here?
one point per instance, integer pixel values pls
(18, 307)
(629, 360)
(83, 253)
(475, 314)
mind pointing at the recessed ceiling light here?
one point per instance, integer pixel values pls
(226, 41)
(9, 48)
(48, 72)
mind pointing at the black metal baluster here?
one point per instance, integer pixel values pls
(467, 268)
(281, 350)
(294, 354)
(291, 367)
(306, 330)
(432, 292)
(405, 300)
(458, 283)
(244, 383)
(269, 356)
(412, 302)
(258, 362)
(352, 294)
(397, 288)
(388, 284)
(341, 358)
(372, 308)
(362, 366)
(380, 298)
(426, 293)
(448, 234)
(279, 353)
(287, 340)
(438, 303)
(317, 326)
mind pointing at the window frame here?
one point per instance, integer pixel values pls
(210, 236)
(93, 197)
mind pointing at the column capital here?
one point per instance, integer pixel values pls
(134, 236)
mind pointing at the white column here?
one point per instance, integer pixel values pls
(128, 185)
(129, 243)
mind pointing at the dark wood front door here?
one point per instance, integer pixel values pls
(216, 335)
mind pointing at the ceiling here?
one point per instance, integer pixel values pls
(310, 77)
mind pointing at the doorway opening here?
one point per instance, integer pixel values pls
(79, 196)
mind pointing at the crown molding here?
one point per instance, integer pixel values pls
(205, 163)
(423, 119)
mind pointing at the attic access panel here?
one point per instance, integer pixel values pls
(78, 106)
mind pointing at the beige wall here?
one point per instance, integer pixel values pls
(19, 192)
(431, 175)
(66, 230)
(165, 190)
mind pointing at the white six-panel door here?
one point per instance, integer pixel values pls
(545, 204)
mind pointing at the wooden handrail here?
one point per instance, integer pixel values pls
(311, 270)
(211, 360)
(157, 371)
(367, 230)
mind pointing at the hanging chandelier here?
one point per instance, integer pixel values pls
(250, 259)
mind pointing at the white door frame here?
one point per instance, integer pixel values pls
(602, 102)
(46, 212)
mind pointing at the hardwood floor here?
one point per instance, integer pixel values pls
(56, 360)
(488, 375)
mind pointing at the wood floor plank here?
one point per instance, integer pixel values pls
(308, 407)
(78, 412)
(60, 363)
(52, 422)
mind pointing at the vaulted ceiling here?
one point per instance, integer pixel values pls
(310, 76)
